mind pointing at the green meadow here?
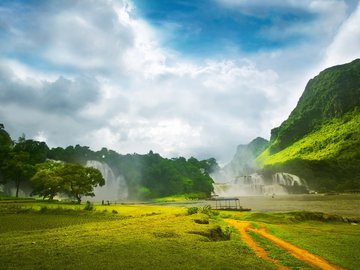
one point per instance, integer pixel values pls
(38, 235)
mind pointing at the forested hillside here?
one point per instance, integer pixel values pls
(320, 141)
(147, 176)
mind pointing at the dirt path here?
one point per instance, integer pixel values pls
(300, 254)
(242, 227)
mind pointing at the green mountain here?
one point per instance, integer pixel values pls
(320, 141)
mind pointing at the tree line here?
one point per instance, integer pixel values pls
(32, 165)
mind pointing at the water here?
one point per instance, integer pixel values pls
(342, 204)
(115, 188)
(256, 184)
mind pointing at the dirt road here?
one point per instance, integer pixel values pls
(300, 254)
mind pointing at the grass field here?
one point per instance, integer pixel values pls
(59, 236)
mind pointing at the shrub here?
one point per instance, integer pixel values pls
(207, 211)
(89, 206)
(192, 210)
(201, 221)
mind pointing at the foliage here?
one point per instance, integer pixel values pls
(5, 146)
(203, 210)
(192, 210)
(320, 141)
(337, 138)
(80, 181)
(37, 150)
(148, 176)
(334, 92)
(329, 156)
(74, 180)
(47, 181)
(18, 168)
(89, 206)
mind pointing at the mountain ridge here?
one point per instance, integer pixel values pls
(320, 140)
(332, 93)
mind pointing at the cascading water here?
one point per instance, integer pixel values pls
(115, 188)
(256, 184)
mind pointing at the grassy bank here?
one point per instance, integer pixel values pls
(116, 237)
(59, 236)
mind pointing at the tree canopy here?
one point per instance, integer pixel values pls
(147, 176)
(74, 180)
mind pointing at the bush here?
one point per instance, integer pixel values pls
(89, 206)
(201, 220)
(114, 211)
(192, 210)
(207, 211)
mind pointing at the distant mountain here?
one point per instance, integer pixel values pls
(244, 160)
(320, 141)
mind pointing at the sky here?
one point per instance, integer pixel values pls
(180, 78)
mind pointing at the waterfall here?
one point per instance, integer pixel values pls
(287, 179)
(257, 184)
(115, 187)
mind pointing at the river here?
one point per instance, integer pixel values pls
(342, 204)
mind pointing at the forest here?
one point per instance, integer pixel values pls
(32, 167)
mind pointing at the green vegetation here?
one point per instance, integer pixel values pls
(137, 237)
(279, 254)
(339, 138)
(72, 236)
(336, 242)
(23, 166)
(334, 92)
(328, 158)
(147, 176)
(182, 197)
(331, 237)
(320, 141)
(74, 180)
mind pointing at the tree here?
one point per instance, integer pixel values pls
(5, 147)
(74, 180)
(18, 169)
(80, 181)
(37, 150)
(47, 181)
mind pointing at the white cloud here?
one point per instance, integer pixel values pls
(105, 80)
(346, 44)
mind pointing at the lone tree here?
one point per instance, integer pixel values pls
(80, 181)
(47, 181)
(72, 179)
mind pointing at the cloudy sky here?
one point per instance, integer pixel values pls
(180, 77)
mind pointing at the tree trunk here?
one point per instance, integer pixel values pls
(17, 185)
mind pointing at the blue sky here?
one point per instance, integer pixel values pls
(206, 27)
(182, 78)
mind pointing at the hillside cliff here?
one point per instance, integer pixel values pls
(320, 141)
